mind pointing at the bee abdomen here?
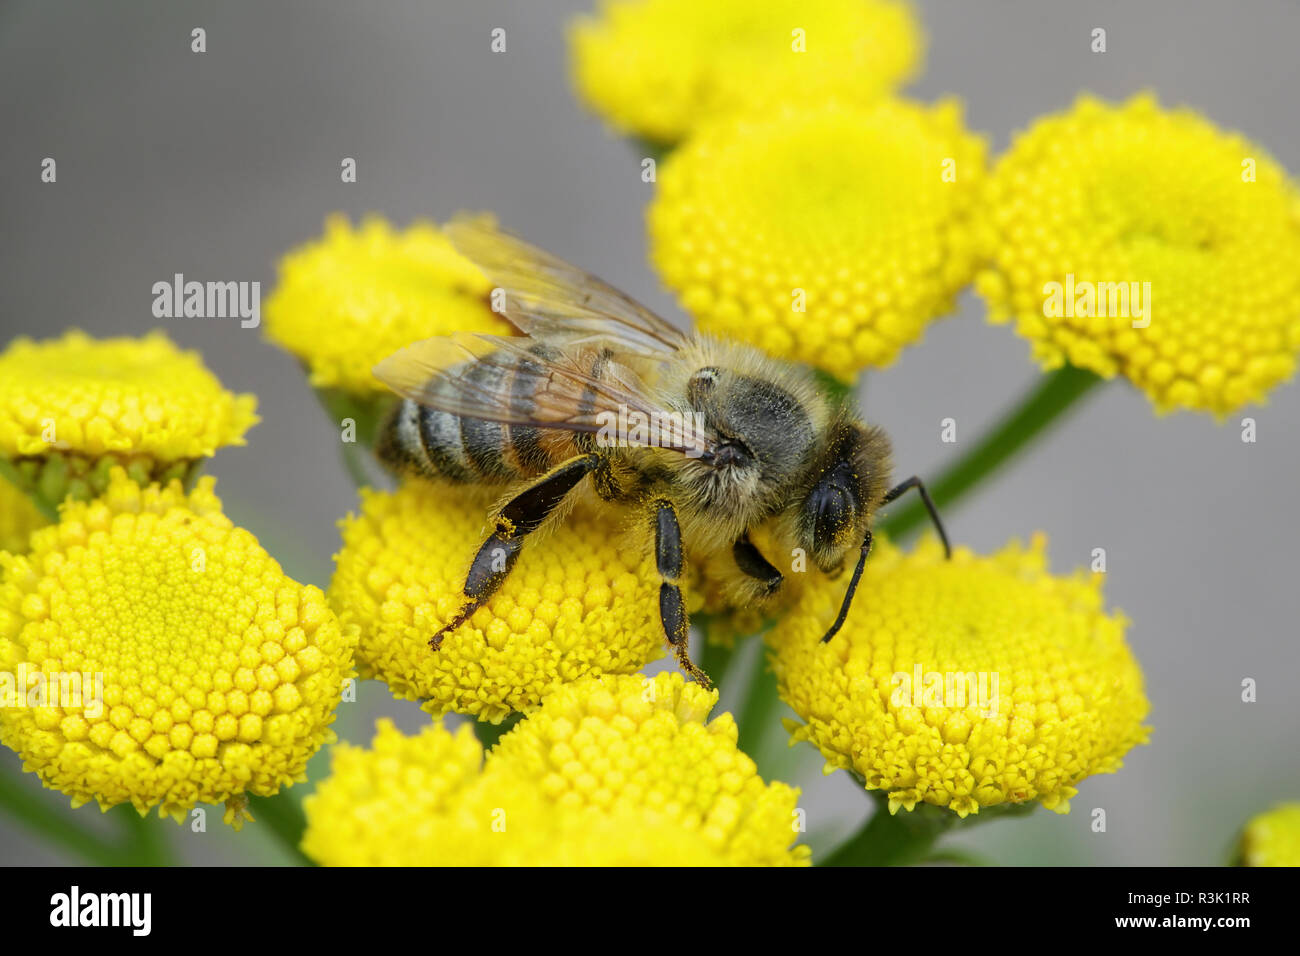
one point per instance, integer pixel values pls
(425, 441)
(438, 444)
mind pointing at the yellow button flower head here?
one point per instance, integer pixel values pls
(1102, 197)
(1273, 838)
(622, 770)
(74, 407)
(582, 600)
(355, 296)
(966, 683)
(423, 800)
(19, 517)
(213, 674)
(656, 68)
(830, 235)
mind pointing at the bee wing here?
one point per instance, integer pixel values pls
(522, 381)
(550, 299)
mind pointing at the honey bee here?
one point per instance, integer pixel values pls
(708, 439)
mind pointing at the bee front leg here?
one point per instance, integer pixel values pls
(915, 482)
(522, 515)
(751, 561)
(672, 607)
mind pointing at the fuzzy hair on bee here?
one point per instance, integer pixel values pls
(707, 440)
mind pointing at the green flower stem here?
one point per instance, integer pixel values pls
(759, 707)
(646, 149)
(1048, 401)
(367, 414)
(354, 460)
(283, 819)
(488, 733)
(910, 837)
(958, 858)
(54, 824)
(897, 839)
(144, 839)
(713, 658)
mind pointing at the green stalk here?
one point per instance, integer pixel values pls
(712, 658)
(1048, 401)
(488, 733)
(55, 825)
(759, 707)
(283, 818)
(144, 839)
(898, 839)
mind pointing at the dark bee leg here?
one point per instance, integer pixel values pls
(751, 561)
(672, 608)
(915, 482)
(522, 515)
(853, 587)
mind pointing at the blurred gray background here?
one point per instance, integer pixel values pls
(216, 164)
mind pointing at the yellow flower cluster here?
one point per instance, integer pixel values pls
(829, 235)
(165, 658)
(1273, 838)
(73, 407)
(355, 296)
(966, 683)
(610, 771)
(582, 600)
(659, 68)
(1102, 199)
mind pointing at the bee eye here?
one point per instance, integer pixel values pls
(830, 510)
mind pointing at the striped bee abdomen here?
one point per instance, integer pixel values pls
(438, 444)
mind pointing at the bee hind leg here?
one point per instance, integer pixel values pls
(521, 516)
(672, 607)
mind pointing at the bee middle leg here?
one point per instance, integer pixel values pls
(752, 563)
(521, 516)
(672, 607)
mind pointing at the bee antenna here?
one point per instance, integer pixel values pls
(853, 587)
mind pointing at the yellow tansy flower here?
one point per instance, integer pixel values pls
(1197, 229)
(423, 800)
(966, 683)
(657, 68)
(1273, 838)
(74, 407)
(19, 517)
(582, 600)
(830, 235)
(610, 771)
(355, 296)
(205, 673)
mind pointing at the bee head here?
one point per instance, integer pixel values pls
(762, 431)
(846, 484)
